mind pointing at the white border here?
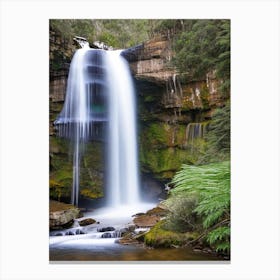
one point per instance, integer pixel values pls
(24, 138)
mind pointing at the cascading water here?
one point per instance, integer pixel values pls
(100, 96)
(123, 166)
(195, 131)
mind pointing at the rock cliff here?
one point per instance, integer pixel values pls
(171, 113)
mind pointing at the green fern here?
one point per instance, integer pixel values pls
(211, 183)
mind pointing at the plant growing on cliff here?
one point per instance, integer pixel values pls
(203, 46)
(211, 183)
(218, 136)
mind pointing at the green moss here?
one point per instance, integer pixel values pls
(180, 135)
(61, 174)
(204, 96)
(58, 145)
(163, 160)
(158, 236)
(156, 134)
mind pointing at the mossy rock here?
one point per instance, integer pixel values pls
(158, 237)
(162, 160)
(61, 169)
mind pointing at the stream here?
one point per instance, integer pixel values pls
(99, 241)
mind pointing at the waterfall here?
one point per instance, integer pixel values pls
(100, 98)
(195, 131)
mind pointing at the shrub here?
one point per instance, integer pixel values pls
(181, 217)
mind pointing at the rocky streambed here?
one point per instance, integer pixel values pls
(108, 234)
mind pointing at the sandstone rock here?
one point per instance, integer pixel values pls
(62, 215)
(87, 222)
(158, 211)
(146, 221)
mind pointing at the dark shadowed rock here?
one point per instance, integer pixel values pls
(106, 229)
(106, 235)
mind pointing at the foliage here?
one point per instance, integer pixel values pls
(201, 47)
(118, 33)
(211, 183)
(181, 217)
(218, 136)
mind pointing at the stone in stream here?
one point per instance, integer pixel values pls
(62, 215)
(79, 231)
(87, 222)
(106, 229)
(106, 235)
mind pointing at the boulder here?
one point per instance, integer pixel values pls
(87, 222)
(62, 215)
(146, 220)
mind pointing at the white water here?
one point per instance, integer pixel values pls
(123, 167)
(96, 74)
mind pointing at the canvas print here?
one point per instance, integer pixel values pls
(139, 140)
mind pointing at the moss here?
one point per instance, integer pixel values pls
(180, 135)
(158, 236)
(86, 192)
(156, 134)
(58, 145)
(204, 96)
(162, 160)
(61, 166)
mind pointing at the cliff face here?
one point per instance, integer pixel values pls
(172, 114)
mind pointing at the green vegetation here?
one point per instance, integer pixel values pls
(218, 137)
(211, 184)
(118, 33)
(181, 217)
(201, 47)
(160, 236)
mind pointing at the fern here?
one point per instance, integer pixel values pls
(220, 237)
(211, 183)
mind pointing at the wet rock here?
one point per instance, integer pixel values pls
(106, 229)
(87, 222)
(131, 227)
(59, 234)
(71, 233)
(106, 235)
(123, 231)
(79, 231)
(138, 214)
